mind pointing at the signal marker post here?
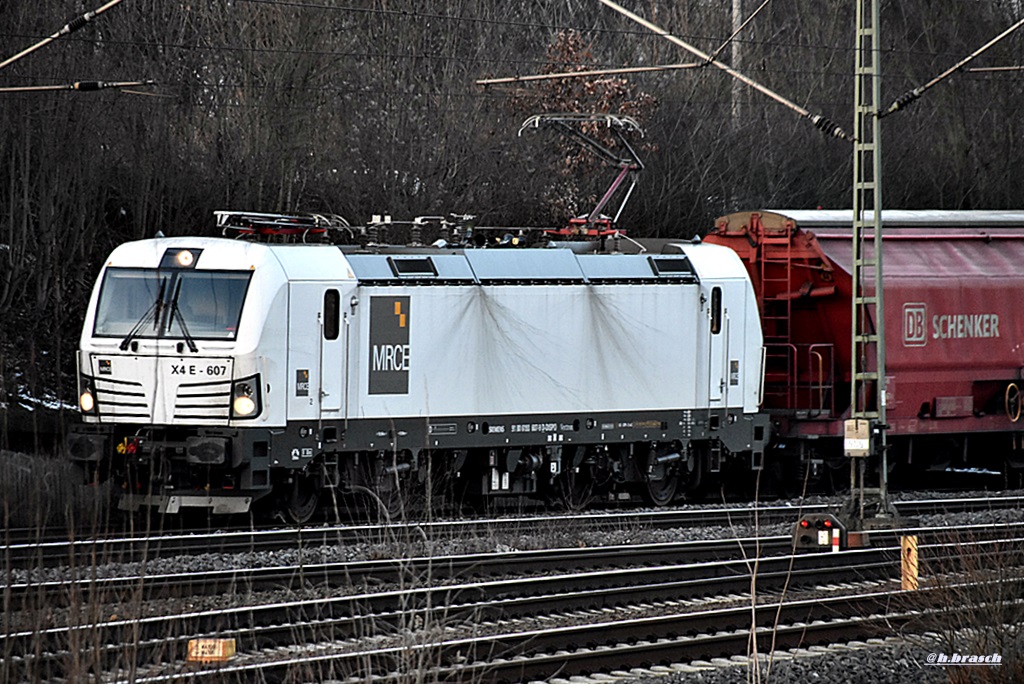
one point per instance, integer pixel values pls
(908, 564)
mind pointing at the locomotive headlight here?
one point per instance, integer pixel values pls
(178, 257)
(86, 396)
(245, 397)
(185, 258)
(86, 402)
(244, 406)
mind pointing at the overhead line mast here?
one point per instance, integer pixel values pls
(866, 429)
(866, 432)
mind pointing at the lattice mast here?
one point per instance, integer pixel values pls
(868, 322)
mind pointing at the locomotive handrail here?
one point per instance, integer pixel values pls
(813, 351)
(821, 371)
(787, 354)
(801, 382)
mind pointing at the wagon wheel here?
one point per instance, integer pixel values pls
(1012, 401)
(302, 496)
(662, 480)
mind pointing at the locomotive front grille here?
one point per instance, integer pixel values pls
(122, 399)
(161, 390)
(203, 401)
(194, 402)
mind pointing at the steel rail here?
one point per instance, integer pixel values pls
(349, 617)
(26, 548)
(389, 570)
(540, 653)
(385, 613)
(149, 586)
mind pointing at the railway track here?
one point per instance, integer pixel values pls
(450, 617)
(27, 548)
(537, 654)
(393, 571)
(148, 585)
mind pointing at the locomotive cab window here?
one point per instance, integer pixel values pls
(148, 303)
(332, 314)
(716, 310)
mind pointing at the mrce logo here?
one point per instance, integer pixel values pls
(390, 358)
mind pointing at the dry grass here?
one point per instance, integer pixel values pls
(976, 608)
(45, 493)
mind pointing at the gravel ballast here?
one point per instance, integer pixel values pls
(888, 661)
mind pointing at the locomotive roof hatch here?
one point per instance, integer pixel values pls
(552, 265)
(533, 266)
(443, 267)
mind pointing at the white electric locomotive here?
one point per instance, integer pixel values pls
(221, 373)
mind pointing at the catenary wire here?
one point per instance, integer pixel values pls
(912, 95)
(820, 122)
(736, 33)
(70, 27)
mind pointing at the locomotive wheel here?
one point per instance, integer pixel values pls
(302, 497)
(662, 480)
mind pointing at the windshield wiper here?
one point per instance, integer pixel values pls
(156, 306)
(176, 314)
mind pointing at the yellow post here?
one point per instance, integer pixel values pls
(909, 563)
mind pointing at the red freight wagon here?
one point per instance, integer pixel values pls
(954, 326)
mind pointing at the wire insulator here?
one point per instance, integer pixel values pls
(903, 101)
(76, 23)
(828, 127)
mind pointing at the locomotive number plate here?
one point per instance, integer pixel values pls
(211, 370)
(206, 369)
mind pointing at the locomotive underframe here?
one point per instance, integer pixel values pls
(229, 469)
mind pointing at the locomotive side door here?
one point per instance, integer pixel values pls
(718, 345)
(316, 350)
